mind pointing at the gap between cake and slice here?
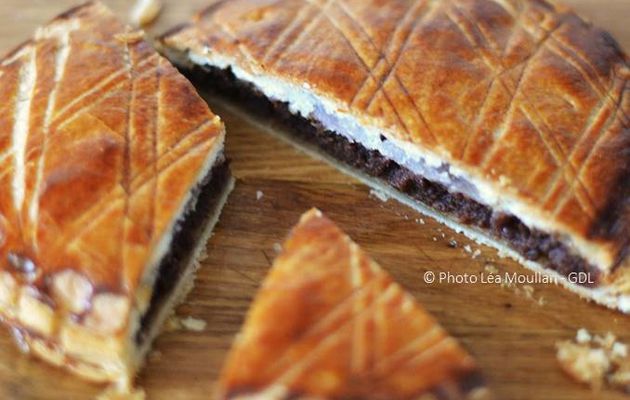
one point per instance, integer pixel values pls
(114, 180)
(401, 116)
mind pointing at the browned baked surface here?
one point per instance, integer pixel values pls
(328, 322)
(521, 93)
(101, 141)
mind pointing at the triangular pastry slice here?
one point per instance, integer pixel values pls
(112, 174)
(329, 323)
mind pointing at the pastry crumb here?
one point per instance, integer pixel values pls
(421, 221)
(382, 196)
(605, 341)
(507, 284)
(145, 12)
(583, 363)
(595, 360)
(583, 336)
(529, 291)
(193, 324)
(476, 253)
(491, 269)
(468, 249)
(259, 194)
(176, 323)
(619, 350)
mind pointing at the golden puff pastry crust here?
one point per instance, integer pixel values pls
(519, 105)
(104, 149)
(329, 323)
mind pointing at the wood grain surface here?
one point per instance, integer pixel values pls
(509, 332)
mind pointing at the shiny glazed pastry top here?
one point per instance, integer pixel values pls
(523, 100)
(329, 323)
(101, 142)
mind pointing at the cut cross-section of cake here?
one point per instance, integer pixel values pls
(112, 177)
(507, 120)
(329, 323)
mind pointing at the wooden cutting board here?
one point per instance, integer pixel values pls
(511, 333)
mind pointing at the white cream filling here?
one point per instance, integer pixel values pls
(303, 100)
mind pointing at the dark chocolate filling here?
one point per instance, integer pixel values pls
(532, 244)
(202, 207)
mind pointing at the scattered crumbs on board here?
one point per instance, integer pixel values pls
(595, 360)
(528, 292)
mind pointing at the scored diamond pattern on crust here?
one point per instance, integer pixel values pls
(517, 92)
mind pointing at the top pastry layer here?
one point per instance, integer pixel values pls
(524, 97)
(101, 142)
